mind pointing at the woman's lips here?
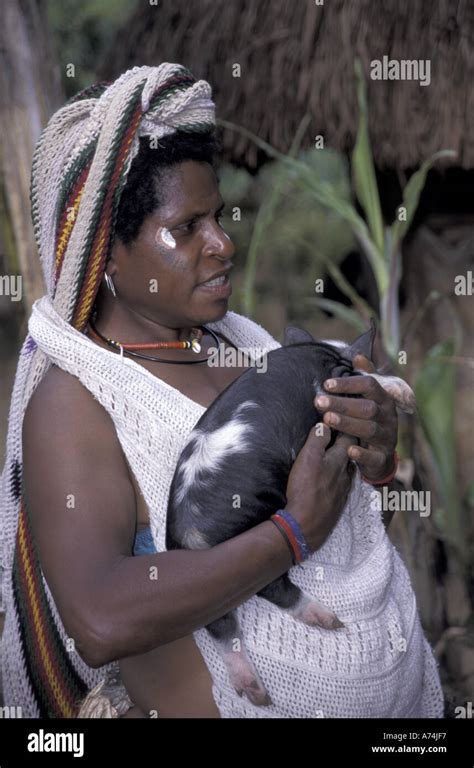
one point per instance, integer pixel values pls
(224, 289)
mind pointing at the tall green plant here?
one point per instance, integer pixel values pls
(383, 249)
(436, 412)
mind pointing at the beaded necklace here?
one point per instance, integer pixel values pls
(130, 349)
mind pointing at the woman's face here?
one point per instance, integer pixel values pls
(180, 246)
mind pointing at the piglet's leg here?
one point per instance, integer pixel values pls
(283, 593)
(242, 673)
(398, 389)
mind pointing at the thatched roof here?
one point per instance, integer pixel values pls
(297, 56)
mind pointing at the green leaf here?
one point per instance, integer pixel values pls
(363, 171)
(469, 496)
(347, 314)
(435, 394)
(323, 192)
(412, 192)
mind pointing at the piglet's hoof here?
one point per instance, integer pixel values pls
(243, 676)
(255, 693)
(310, 612)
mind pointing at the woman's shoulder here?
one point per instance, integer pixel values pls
(244, 331)
(57, 384)
(59, 402)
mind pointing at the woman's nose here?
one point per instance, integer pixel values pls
(218, 243)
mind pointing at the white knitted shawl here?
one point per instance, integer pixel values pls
(379, 666)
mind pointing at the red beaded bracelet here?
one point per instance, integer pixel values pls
(388, 479)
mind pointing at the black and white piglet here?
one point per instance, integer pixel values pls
(245, 443)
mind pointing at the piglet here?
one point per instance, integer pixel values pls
(246, 443)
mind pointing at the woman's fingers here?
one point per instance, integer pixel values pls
(337, 455)
(372, 418)
(372, 464)
(357, 408)
(320, 435)
(357, 385)
(363, 363)
(364, 429)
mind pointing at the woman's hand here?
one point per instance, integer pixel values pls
(318, 484)
(372, 418)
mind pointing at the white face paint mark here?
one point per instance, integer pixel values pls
(164, 237)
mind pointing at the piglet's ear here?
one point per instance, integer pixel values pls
(293, 335)
(363, 345)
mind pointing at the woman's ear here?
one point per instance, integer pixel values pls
(111, 265)
(293, 335)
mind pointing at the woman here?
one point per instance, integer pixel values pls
(127, 213)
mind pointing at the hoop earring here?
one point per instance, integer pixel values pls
(110, 284)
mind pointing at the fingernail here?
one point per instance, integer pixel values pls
(322, 401)
(333, 418)
(355, 453)
(330, 384)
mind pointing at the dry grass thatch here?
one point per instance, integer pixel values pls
(297, 57)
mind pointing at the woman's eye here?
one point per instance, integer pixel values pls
(188, 227)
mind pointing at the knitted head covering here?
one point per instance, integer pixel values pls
(79, 170)
(81, 164)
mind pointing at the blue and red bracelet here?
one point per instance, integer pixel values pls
(293, 535)
(291, 531)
